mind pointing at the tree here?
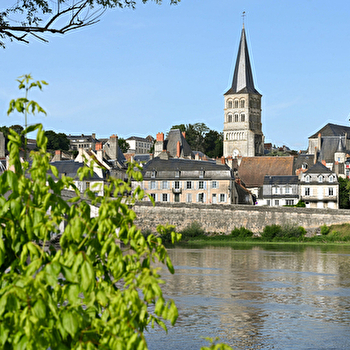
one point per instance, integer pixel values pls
(57, 141)
(39, 17)
(88, 293)
(213, 144)
(344, 193)
(123, 145)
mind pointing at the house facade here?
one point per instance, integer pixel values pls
(176, 180)
(319, 187)
(139, 145)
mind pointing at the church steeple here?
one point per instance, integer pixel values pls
(243, 77)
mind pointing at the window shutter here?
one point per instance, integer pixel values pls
(197, 197)
(204, 198)
(173, 184)
(149, 184)
(205, 185)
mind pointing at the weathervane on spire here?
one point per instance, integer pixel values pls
(243, 15)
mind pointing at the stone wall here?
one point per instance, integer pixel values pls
(220, 218)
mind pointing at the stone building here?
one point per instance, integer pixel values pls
(176, 180)
(243, 134)
(139, 145)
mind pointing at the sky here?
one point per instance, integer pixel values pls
(139, 72)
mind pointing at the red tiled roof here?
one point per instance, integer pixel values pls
(253, 169)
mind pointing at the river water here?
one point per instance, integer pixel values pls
(258, 297)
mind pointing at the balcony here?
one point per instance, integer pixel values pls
(177, 190)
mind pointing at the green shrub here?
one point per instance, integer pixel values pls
(301, 204)
(271, 231)
(241, 232)
(166, 232)
(292, 231)
(193, 230)
(325, 229)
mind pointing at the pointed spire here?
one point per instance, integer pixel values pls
(243, 76)
(340, 147)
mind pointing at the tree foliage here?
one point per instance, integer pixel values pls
(39, 17)
(201, 138)
(344, 193)
(123, 145)
(57, 141)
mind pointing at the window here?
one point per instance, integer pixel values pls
(177, 185)
(189, 197)
(242, 103)
(177, 173)
(229, 104)
(229, 118)
(242, 117)
(201, 197)
(236, 103)
(177, 197)
(165, 185)
(268, 202)
(289, 202)
(307, 178)
(188, 185)
(214, 184)
(214, 198)
(222, 197)
(331, 179)
(201, 185)
(153, 175)
(236, 117)
(287, 190)
(330, 191)
(320, 178)
(153, 195)
(276, 190)
(201, 174)
(277, 202)
(307, 191)
(165, 197)
(153, 185)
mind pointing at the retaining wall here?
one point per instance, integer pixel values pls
(220, 218)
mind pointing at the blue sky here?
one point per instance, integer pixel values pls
(138, 72)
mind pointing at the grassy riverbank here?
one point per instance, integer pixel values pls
(272, 234)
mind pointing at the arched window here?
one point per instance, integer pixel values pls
(320, 178)
(242, 103)
(236, 103)
(229, 104)
(229, 118)
(307, 178)
(242, 117)
(331, 179)
(236, 117)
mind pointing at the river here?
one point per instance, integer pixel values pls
(258, 297)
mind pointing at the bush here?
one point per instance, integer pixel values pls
(301, 204)
(166, 232)
(325, 229)
(271, 231)
(241, 232)
(193, 230)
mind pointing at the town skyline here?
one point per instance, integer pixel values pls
(139, 72)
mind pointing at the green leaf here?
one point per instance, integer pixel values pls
(87, 275)
(73, 293)
(39, 309)
(69, 322)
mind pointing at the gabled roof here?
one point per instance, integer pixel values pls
(174, 136)
(243, 77)
(252, 170)
(318, 168)
(70, 168)
(329, 145)
(332, 130)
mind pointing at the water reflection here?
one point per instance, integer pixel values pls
(263, 297)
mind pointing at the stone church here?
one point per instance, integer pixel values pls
(243, 136)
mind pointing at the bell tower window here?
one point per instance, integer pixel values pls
(229, 104)
(242, 103)
(236, 103)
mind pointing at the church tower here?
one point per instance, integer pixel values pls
(242, 126)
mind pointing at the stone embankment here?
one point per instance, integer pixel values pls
(220, 218)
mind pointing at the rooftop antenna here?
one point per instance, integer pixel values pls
(243, 15)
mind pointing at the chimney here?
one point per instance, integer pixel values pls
(160, 136)
(113, 147)
(196, 157)
(58, 155)
(184, 134)
(222, 160)
(178, 149)
(319, 141)
(315, 156)
(99, 150)
(2, 145)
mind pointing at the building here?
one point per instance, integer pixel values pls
(319, 187)
(175, 180)
(82, 141)
(139, 145)
(243, 134)
(280, 190)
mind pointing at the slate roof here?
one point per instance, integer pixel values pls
(70, 168)
(318, 168)
(252, 170)
(332, 130)
(281, 180)
(243, 77)
(174, 136)
(330, 145)
(136, 138)
(190, 166)
(303, 159)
